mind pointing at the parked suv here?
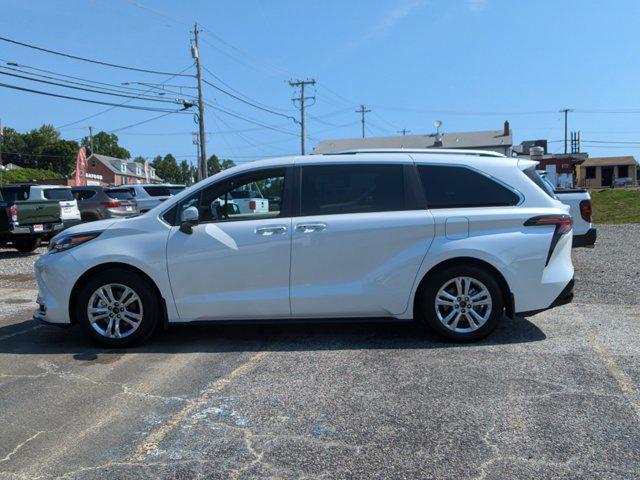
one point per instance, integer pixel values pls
(453, 239)
(98, 203)
(150, 196)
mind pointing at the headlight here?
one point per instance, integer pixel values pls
(66, 242)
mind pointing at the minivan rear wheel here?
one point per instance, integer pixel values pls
(462, 303)
(117, 308)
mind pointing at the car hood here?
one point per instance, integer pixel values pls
(96, 226)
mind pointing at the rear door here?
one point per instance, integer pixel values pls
(68, 204)
(124, 197)
(360, 238)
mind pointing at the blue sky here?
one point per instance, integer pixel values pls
(470, 63)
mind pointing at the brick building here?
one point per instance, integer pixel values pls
(103, 170)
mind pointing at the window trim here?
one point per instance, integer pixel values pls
(286, 207)
(513, 190)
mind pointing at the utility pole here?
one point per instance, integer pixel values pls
(404, 131)
(91, 139)
(195, 53)
(566, 112)
(302, 99)
(362, 110)
(1, 142)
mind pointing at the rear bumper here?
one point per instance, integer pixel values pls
(15, 229)
(566, 296)
(586, 240)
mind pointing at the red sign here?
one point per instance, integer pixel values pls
(81, 167)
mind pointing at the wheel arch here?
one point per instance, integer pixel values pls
(504, 286)
(120, 266)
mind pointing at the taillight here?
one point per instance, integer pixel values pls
(110, 204)
(252, 204)
(585, 210)
(12, 213)
(563, 224)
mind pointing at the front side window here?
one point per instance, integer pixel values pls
(340, 189)
(250, 196)
(459, 187)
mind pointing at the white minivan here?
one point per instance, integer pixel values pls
(455, 239)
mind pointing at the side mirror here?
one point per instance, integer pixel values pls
(189, 219)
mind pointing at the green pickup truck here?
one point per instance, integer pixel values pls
(24, 223)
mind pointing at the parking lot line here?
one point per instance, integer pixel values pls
(155, 437)
(625, 383)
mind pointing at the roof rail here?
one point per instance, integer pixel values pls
(435, 151)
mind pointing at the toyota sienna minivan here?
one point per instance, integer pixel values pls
(458, 240)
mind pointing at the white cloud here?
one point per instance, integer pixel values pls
(385, 24)
(476, 5)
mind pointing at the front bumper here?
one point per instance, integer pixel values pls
(586, 240)
(56, 275)
(16, 229)
(565, 297)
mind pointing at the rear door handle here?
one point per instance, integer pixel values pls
(268, 231)
(310, 227)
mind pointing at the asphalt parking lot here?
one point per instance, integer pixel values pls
(552, 396)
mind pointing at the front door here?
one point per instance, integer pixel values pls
(235, 263)
(358, 244)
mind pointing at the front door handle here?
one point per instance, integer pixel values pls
(268, 231)
(310, 227)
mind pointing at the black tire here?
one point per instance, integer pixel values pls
(427, 302)
(146, 293)
(26, 245)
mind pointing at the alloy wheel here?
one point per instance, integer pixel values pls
(463, 304)
(115, 310)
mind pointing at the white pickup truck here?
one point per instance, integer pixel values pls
(249, 201)
(579, 201)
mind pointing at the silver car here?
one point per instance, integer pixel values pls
(152, 195)
(97, 202)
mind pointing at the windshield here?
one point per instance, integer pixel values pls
(540, 181)
(58, 194)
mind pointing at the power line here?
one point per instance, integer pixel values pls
(250, 120)
(98, 62)
(116, 106)
(143, 122)
(40, 92)
(246, 101)
(123, 95)
(242, 94)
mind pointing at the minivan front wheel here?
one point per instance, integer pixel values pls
(462, 303)
(117, 308)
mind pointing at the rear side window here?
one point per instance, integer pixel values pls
(459, 187)
(157, 191)
(58, 194)
(541, 182)
(339, 189)
(120, 193)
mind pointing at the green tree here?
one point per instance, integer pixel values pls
(225, 164)
(107, 144)
(167, 168)
(139, 159)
